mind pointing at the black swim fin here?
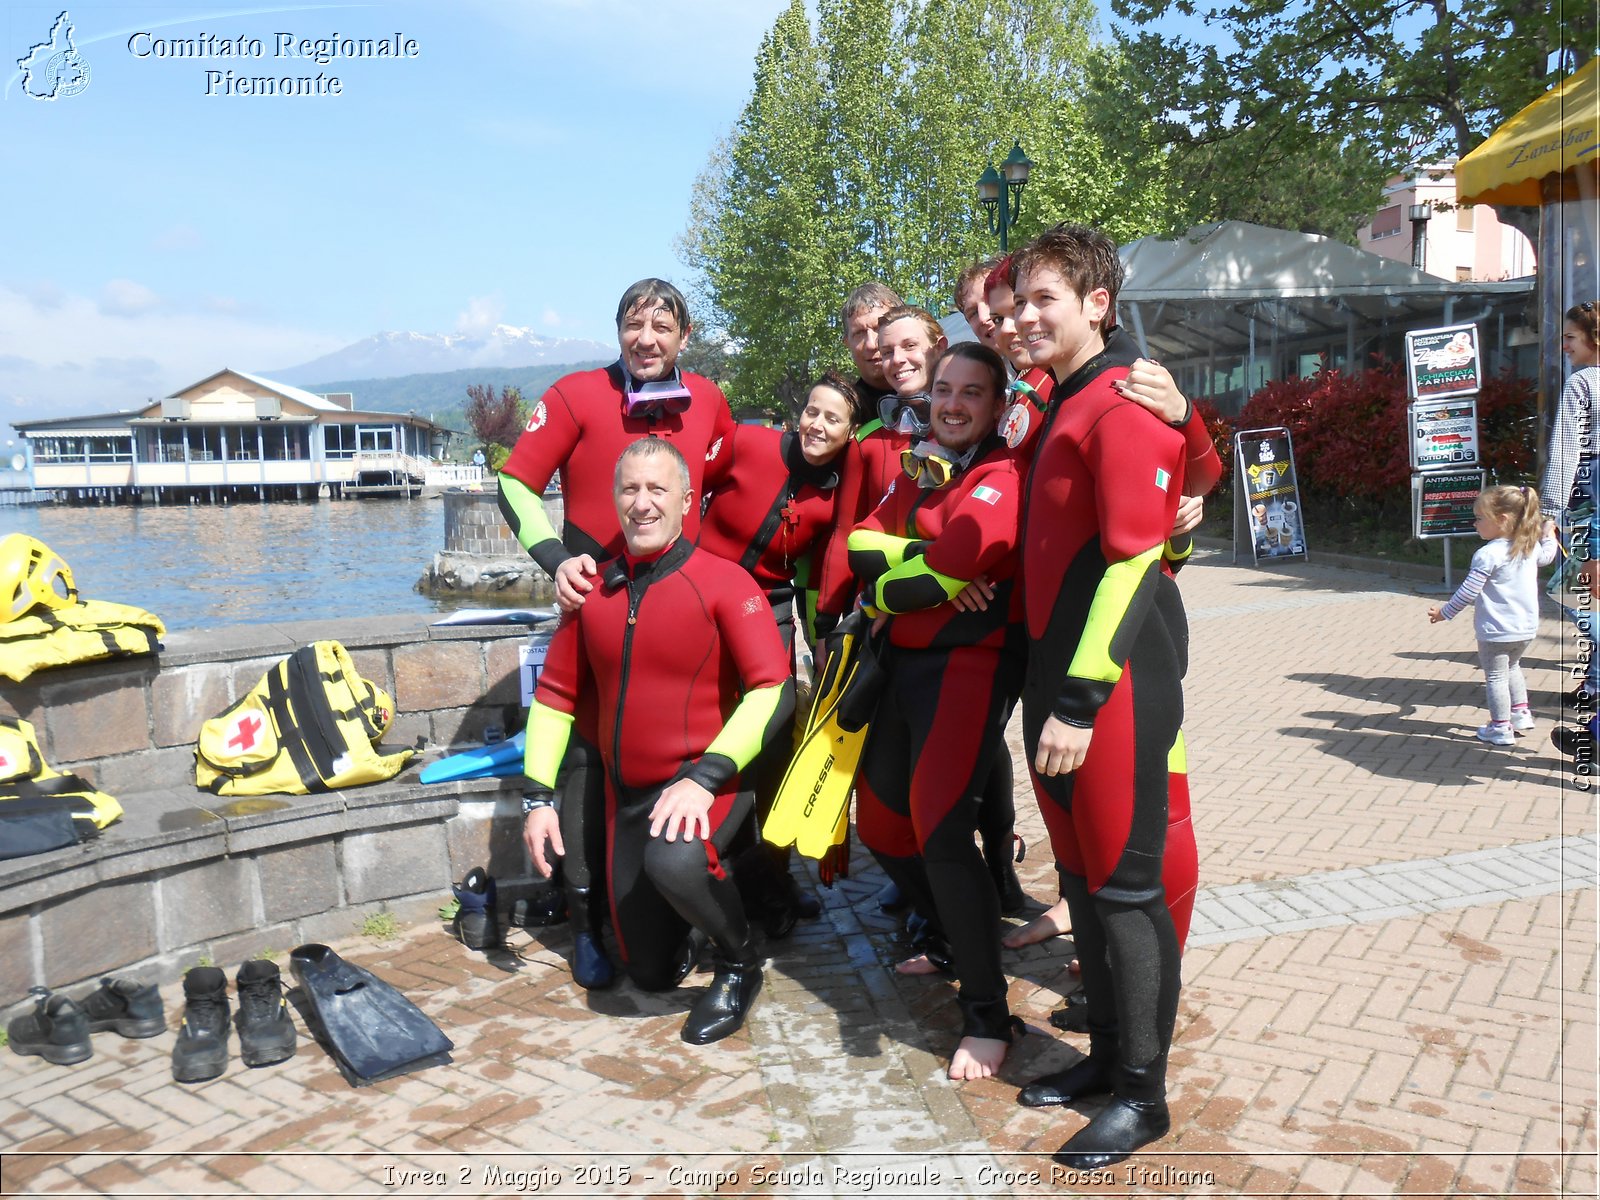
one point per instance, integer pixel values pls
(370, 1029)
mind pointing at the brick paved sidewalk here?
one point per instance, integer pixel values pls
(1390, 990)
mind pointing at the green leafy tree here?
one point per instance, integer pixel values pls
(857, 157)
(1301, 109)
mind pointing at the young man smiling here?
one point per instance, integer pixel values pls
(1102, 699)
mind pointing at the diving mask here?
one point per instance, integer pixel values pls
(931, 465)
(657, 398)
(900, 413)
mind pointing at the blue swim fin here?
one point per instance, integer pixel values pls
(497, 759)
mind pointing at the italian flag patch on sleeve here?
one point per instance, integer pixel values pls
(985, 493)
(1162, 479)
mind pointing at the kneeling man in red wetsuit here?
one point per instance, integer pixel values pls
(691, 678)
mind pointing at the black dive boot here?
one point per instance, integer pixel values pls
(56, 1030)
(201, 1051)
(1136, 1116)
(729, 999)
(1089, 1076)
(591, 965)
(131, 1008)
(477, 923)
(266, 1030)
(545, 905)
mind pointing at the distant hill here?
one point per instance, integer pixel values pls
(392, 355)
(442, 396)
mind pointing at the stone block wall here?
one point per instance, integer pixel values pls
(186, 875)
(473, 525)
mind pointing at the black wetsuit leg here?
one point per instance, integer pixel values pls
(1108, 824)
(662, 888)
(947, 710)
(583, 832)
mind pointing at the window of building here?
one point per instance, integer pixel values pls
(1386, 223)
(339, 441)
(1463, 274)
(283, 443)
(1464, 219)
(110, 449)
(169, 444)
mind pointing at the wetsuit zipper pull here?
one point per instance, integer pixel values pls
(633, 606)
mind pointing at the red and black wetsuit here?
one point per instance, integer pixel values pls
(869, 463)
(1107, 645)
(1019, 426)
(951, 685)
(578, 429)
(773, 514)
(690, 680)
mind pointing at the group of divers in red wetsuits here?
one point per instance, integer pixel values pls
(1008, 515)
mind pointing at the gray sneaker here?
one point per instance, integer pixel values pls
(131, 1008)
(56, 1030)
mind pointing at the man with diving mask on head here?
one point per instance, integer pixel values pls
(579, 428)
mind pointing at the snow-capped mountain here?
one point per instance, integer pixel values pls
(388, 355)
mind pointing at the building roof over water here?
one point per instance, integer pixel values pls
(298, 395)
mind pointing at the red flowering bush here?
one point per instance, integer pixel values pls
(1350, 433)
(1507, 425)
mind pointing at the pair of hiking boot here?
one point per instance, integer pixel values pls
(58, 1028)
(266, 1030)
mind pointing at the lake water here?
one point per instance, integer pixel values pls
(207, 564)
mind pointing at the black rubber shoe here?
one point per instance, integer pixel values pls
(56, 1030)
(266, 1030)
(722, 1010)
(128, 1007)
(477, 923)
(201, 1051)
(1086, 1077)
(1074, 1018)
(1115, 1132)
(1574, 743)
(591, 965)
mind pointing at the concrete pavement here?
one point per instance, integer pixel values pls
(1389, 989)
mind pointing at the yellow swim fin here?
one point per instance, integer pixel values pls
(812, 807)
(814, 799)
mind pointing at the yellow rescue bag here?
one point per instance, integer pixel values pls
(40, 808)
(311, 725)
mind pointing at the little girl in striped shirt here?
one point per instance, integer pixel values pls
(1503, 587)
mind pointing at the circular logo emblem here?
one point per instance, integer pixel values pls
(1014, 424)
(537, 418)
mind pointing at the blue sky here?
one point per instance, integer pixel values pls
(531, 161)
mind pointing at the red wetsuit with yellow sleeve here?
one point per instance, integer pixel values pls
(691, 680)
(578, 429)
(1106, 651)
(950, 687)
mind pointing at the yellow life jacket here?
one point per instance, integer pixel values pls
(310, 725)
(40, 808)
(82, 632)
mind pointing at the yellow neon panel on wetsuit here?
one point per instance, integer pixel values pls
(747, 727)
(914, 585)
(548, 733)
(1178, 757)
(1112, 599)
(523, 510)
(872, 552)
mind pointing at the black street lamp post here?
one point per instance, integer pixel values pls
(1000, 192)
